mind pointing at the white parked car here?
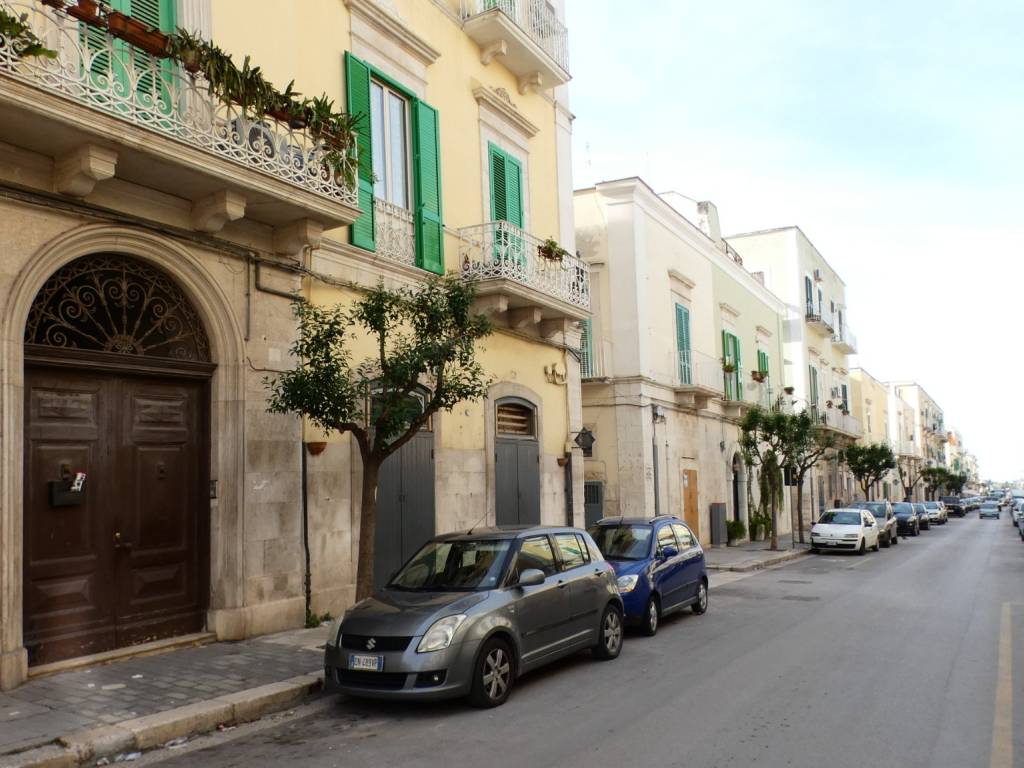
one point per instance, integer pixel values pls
(1017, 513)
(936, 512)
(854, 529)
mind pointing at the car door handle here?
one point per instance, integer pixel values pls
(563, 584)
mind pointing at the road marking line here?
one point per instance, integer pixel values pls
(1002, 725)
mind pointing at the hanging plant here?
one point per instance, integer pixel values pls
(551, 250)
(135, 32)
(759, 376)
(728, 366)
(21, 38)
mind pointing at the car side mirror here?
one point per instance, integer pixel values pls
(668, 552)
(531, 577)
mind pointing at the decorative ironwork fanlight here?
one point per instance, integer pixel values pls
(113, 303)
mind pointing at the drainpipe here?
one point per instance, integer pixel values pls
(568, 491)
(307, 576)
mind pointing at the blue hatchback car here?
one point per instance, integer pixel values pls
(659, 564)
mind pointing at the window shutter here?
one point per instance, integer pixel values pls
(357, 79)
(587, 350)
(427, 158)
(809, 295)
(683, 344)
(514, 190)
(499, 204)
(159, 14)
(727, 357)
(739, 367)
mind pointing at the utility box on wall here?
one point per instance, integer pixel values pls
(718, 532)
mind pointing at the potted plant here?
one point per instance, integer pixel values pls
(759, 376)
(131, 30)
(789, 390)
(735, 530)
(728, 366)
(188, 49)
(58, 4)
(550, 250)
(22, 39)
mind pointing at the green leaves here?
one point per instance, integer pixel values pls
(22, 39)
(869, 463)
(424, 342)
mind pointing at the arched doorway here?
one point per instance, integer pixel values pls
(517, 463)
(405, 501)
(739, 489)
(116, 463)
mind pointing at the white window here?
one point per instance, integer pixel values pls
(389, 134)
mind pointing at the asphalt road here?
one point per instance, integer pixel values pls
(890, 660)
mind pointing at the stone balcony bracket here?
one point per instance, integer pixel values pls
(524, 318)
(76, 173)
(212, 212)
(292, 239)
(488, 52)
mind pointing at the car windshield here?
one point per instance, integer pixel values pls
(902, 508)
(623, 542)
(839, 517)
(931, 504)
(875, 507)
(446, 566)
(989, 505)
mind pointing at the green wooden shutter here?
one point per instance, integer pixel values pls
(499, 204)
(683, 344)
(357, 84)
(739, 367)
(427, 160)
(809, 295)
(730, 392)
(514, 190)
(587, 350)
(159, 14)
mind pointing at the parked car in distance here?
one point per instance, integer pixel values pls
(885, 519)
(1017, 513)
(936, 512)
(922, 514)
(471, 612)
(659, 564)
(843, 528)
(907, 521)
(955, 505)
(989, 509)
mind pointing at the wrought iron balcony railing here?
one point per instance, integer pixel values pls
(844, 338)
(499, 250)
(535, 17)
(94, 69)
(394, 231)
(700, 371)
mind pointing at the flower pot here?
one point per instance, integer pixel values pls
(190, 60)
(731, 543)
(85, 11)
(789, 390)
(136, 33)
(58, 4)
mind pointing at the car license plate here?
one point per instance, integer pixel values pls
(366, 663)
(831, 543)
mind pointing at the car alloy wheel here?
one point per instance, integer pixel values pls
(609, 641)
(494, 674)
(701, 606)
(651, 616)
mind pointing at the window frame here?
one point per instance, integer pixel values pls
(388, 86)
(563, 564)
(685, 527)
(514, 574)
(657, 537)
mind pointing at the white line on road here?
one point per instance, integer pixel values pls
(1002, 726)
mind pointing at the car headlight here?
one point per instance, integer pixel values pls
(332, 632)
(627, 583)
(440, 634)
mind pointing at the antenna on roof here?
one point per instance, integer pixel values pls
(474, 525)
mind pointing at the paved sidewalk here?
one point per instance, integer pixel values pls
(753, 555)
(131, 691)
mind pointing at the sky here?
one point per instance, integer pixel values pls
(891, 132)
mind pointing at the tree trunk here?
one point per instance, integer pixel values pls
(367, 529)
(774, 488)
(800, 506)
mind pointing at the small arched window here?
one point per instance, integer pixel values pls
(516, 418)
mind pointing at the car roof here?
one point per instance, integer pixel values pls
(637, 520)
(504, 532)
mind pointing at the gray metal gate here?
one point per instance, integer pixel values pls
(405, 506)
(593, 501)
(517, 481)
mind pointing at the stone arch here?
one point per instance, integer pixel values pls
(227, 411)
(738, 479)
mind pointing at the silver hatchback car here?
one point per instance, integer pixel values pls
(471, 612)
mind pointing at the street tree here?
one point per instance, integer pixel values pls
(763, 436)
(935, 479)
(956, 483)
(424, 342)
(807, 442)
(909, 473)
(869, 463)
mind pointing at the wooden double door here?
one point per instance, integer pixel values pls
(127, 562)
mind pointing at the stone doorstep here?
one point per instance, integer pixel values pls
(118, 654)
(747, 566)
(151, 731)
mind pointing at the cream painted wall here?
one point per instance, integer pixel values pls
(870, 405)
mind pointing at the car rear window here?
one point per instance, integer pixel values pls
(840, 518)
(623, 542)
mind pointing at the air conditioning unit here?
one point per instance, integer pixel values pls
(818, 276)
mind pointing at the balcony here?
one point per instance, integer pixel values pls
(820, 324)
(526, 34)
(516, 282)
(700, 379)
(105, 109)
(844, 341)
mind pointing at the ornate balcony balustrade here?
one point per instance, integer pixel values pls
(508, 262)
(395, 232)
(158, 116)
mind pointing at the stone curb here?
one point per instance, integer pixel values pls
(760, 564)
(151, 731)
